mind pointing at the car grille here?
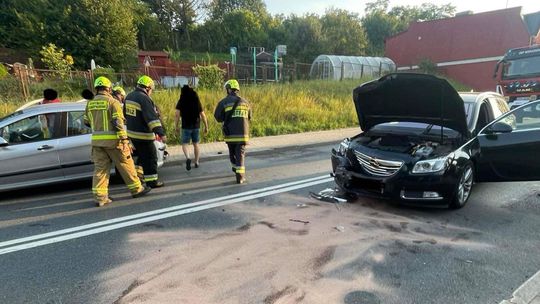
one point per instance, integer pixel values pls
(378, 167)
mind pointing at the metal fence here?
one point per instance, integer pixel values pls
(26, 83)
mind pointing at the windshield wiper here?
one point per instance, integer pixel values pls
(428, 129)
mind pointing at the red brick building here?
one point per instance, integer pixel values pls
(465, 47)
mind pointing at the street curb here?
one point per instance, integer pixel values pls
(528, 293)
(257, 152)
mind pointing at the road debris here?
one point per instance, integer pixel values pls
(329, 195)
(299, 221)
(301, 205)
(340, 228)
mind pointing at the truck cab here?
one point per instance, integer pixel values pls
(518, 75)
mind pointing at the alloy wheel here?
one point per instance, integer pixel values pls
(465, 185)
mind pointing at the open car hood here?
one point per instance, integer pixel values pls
(409, 97)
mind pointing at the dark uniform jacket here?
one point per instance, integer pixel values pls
(141, 116)
(104, 115)
(235, 124)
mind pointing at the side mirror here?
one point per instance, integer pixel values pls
(3, 142)
(500, 127)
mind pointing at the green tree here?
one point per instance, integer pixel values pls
(176, 18)
(342, 33)
(100, 29)
(23, 23)
(303, 36)
(104, 30)
(219, 8)
(378, 26)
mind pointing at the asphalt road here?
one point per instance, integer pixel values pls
(204, 239)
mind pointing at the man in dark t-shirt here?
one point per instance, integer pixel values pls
(189, 109)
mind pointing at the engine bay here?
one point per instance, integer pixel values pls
(414, 145)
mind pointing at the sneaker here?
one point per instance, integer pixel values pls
(155, 184)
(188, 164)
(196, 165)
(143, 192)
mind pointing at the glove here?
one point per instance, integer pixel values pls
(125, 146)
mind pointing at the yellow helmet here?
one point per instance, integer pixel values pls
(232, 84)
(120, 90)
(146, 81)
(102, 81)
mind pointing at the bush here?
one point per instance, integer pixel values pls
(427, 66)
(107, 72)
(54, 58)
(210, 76)
(3, 71)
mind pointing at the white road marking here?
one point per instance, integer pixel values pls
(528, 293)
(126, 221)
(150, 213)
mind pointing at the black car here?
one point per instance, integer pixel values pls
(422, 143)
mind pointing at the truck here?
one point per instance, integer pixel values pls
(518, 75)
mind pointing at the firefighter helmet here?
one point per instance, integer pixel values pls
(232, 84)
(119, 90)
(102, 81)
(146, 81)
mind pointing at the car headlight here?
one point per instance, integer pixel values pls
(343, 147)
(432, 165)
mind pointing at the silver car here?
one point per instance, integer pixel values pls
(47, 144)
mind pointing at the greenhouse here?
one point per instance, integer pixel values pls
(335, 67)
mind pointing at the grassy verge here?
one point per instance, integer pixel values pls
(277, 109)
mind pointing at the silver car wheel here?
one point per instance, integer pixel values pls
(465, 185)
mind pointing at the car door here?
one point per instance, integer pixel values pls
(510, 147)
(30, 156)
(75, 148)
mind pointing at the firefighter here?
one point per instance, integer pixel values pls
(119, 94)
(235, 114)
(143, 124)
(110, 143)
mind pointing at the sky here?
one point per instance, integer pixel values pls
(301, 7)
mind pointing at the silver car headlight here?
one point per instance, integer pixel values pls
(432, 165)
(343, 147)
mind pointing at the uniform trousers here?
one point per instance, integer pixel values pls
(103, 159)
(147, 159)
(237, 155)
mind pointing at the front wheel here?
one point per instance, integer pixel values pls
(464, 187)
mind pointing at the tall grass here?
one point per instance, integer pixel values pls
(277, 109)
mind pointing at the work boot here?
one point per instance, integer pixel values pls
(155, 184)
(240, 179)
(104, 202)
(143, 192)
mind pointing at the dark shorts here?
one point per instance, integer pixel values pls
(191, 134)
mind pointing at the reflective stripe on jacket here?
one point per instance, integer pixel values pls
(236, 127)
(141, 116)
(105, 117)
